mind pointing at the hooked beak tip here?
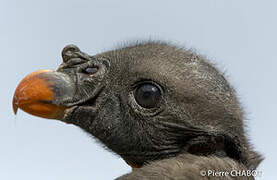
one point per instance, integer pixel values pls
(15, 108)
(34, 95)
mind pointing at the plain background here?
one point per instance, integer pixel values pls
(239, 36)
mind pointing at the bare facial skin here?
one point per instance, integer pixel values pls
(168, 112)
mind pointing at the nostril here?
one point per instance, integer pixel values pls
(68, 52)
(91, 70)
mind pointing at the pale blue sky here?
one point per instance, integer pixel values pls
(240, 36)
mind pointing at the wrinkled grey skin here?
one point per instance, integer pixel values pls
(197, 125)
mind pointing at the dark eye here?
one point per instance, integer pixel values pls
(91, 70)
(147, 95)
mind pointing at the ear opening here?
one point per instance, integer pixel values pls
(234, 149)
(219, 145)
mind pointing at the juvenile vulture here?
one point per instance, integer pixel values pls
(168, 112)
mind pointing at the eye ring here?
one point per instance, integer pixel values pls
(147, 95)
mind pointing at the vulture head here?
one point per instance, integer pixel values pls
(146, 102)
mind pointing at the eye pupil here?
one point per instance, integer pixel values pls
(147, 95)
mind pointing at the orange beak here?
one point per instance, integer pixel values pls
(36, 94)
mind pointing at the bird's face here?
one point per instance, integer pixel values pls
(144, 102)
